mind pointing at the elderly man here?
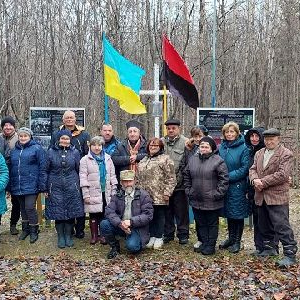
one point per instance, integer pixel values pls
(8, 139)
(130, 151)
(80, 136)
(111, 142)
(269, 175)
(79, 140)
(128, 215)
(178, 203)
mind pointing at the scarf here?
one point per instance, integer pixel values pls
(102, 169)
(134, 151)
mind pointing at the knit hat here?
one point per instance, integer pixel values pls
(62, 132)
(97, 140)
(8, 119)
(25, 130)
(210, 141)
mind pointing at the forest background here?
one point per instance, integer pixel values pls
(51, 55)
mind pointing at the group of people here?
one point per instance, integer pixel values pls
(142, 190)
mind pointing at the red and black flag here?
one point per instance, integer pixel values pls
(177, 76)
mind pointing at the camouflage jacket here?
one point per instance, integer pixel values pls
(157, 176)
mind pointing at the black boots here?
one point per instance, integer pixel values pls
(237, 235)
(13, 229)
(235, 232)
(34, 233)
(25, 231)
(115, 246)
(228, 242)
(60, 229)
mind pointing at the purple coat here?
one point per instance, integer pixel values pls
(141, 212)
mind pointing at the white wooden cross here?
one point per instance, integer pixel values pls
(156, 92)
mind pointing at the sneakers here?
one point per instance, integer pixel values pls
(158, 243)
(286, 262)
(151, 242)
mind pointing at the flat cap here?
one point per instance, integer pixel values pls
(271, 132)
(127, 175)
(172, 122)
(134, 123)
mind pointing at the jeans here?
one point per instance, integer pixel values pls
(15, 210)
(28, 208)
(132, 241)
(158, 222)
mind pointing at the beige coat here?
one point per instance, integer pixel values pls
(275, 176)
(157, 176)
(90, 182)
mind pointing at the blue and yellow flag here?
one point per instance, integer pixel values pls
(122, 80)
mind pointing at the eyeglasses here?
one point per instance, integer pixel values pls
(153, 145)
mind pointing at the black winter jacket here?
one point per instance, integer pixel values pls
(206, 181)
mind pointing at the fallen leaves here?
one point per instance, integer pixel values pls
(144, 278)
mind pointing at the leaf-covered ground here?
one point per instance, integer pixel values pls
(41, 271)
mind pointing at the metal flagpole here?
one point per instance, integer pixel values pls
(106, 106)
(213, 65)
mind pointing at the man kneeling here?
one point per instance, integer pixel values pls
(127, 215)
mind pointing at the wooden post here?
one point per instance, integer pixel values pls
(39, 208)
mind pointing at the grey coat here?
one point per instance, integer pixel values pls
(206, 181)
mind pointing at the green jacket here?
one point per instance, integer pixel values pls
(175, 149)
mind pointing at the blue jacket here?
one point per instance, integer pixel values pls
(80, 138)
(65, 200)
(111, 146)
(236, 157)
(27, 169)
(3, 184)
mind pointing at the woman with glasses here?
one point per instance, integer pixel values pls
(64, 201)
(156, 175)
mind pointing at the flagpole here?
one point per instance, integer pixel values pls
(106, 105)
(165, 115)
(213, 66)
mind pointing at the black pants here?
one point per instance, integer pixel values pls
(15, 210)
(28, 208)
(157, 224)
(207, 225)
(69, 221)
(179, 209)
(274, 220)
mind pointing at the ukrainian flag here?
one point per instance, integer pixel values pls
(122, 80)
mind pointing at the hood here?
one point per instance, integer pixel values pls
(259, 131)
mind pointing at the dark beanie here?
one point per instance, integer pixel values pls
(211, 142)
(9, 120)
(62, 132)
